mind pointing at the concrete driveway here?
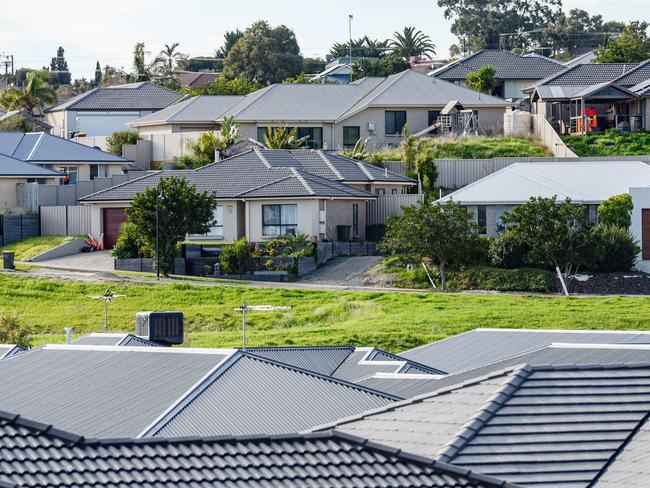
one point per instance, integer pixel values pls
(86, 261)
(348, 271)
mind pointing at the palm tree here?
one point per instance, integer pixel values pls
(411, 42)
(170, 56)
(283, 138)
(37, 94)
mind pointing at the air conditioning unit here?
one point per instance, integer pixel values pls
(165, 328)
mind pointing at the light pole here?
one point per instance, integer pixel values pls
(350, 17)
(158, 198)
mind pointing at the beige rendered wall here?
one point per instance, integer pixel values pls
(308, 217)
(339, 212)
(57, 121)
(232, 213)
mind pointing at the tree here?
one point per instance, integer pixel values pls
(139, 67)
(182, 210)
(363, 47)
(386, 66)
(359, 151)
(98, 75)
(117, 139)
(170, 57)
(264, 55)
(555, 233)
(444, 234)
(301, 79)
(283, 138)
(313, 65)
(204, 148)
(418, 160)
(632, 46)
(37, 94)
(13, 330)
(224, 86)
(616, 211)
(59, 73)
(230, 38)
(482, 80)
(411, 43)
(478, 24)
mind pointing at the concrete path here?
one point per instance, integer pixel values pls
(85, 261)
(342, 271)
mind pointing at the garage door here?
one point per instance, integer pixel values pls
(113, 218)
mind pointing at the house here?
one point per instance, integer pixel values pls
(585, 58)
(23, 120)
(513, 72)
(335, 72)
(592, 98)
(585, 183)
(336, 116)
(295, 460)
(8, 350)
(104, 110)
(195, 79)
(194, 114)
(264, 194)
(16, 172)
(76, 161)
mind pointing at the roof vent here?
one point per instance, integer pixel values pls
(165, 328)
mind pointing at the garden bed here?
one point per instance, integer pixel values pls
(629, 283)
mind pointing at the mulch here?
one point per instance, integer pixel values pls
(631, 283)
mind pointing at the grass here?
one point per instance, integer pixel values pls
(394, 321)
(475, 148)
(28, 248)
(612, 143)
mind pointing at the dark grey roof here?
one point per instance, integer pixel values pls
(103, 339)
(35, 454)
(40, 147)
(133, 96)
(508, 66)
(319, 359)
(248, 394)
(8, 350)
(266, 173)
(590, 74)
(483, 346)
(199, 109)
(15, 167)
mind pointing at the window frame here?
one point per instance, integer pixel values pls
(355, 220)
(283, 228)
(350, 145)
(481, 219)
(388, 123)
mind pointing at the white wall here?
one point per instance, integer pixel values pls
(640, 200)
(100, 123)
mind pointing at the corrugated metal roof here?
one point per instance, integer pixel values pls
(201, 109)
(583, 182)
(252, 395)
(319, 359)
(37, 454)
(104, 339)
(8, 350)
(479, 347)
(132, 96)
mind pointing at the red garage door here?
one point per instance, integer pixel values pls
(113, 218)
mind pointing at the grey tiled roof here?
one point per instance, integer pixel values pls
(589, 74)
(8, 350)
(133, 96)
(40, 455)
(263, 174)
(508, 66)
(15, 167)
(483, 346)
(199, 109)
(251, 395)
(40, 147)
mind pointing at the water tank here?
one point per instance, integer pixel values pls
(165, 328)
(517, 123)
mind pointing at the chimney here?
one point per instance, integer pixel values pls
(68, 335)
(165, 328)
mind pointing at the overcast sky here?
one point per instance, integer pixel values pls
(107, 30)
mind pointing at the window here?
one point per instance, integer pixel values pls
(394, 191)
(380, 191)
(261, 131)
(70, 173)
(217, 229)
(314, 134)
(351, 134)
(355, 219)
(395, 121)
(279, 220)
(98, 171)
(432, 119)
(481, 219)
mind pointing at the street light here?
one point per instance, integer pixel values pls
(259, 308)
(159, 197)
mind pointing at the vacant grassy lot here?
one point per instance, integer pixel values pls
(28, 248)
(395, 321)
(610, 144)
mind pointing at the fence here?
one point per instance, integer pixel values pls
(328, 250)
(17, 227)
(68, 220)
(164, 147)
(387, 205)
(550, 138)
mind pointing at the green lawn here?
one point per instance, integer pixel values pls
(394, 321)
(28, 248)
(612, 143)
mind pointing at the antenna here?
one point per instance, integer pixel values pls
(107, 297)
(256, 308)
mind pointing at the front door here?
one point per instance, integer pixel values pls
(113, 218)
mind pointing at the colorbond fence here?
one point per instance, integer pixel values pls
(68, 220)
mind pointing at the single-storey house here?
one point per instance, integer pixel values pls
(592, 98)
(585, 183)
(14, 172)
(75, 161)
(264, 194)
(104, 110)
(337, 116)
(513, 72)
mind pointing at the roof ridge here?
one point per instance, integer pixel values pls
(148, 175)
(40, 428)
(410, 362)
(279, 180)
(263, 159)
(330, 165)
(302, 180)
(473, 426)
(365, 171)
(335, 184)
(448, 66)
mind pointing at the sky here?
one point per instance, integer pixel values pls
(107, 30)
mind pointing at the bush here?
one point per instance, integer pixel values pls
(489, 278)
(116, 140)
(236, 257)
(617, 211)
(507, 251)
(615, 248)
(13, 331)
(130, 243)
(480, 252)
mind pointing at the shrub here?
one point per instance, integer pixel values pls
(236, 257)
(489, 278)
(116, 140)
(480, 252)
(616, 248)
(617, 211)
(13, 331)
(507, 251)
(130, 243)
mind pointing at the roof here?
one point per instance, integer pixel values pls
(25, 114)
(264, 173)
(508, 66)
(583, 182)
(8, 350)
(199, 109)
(196, 79)
(132, 96)
(560, 425)
(41, 147)
(36, 454)
(480, 346)
(10, 167)
(585, 58)
(108, 339)
(248, 394)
